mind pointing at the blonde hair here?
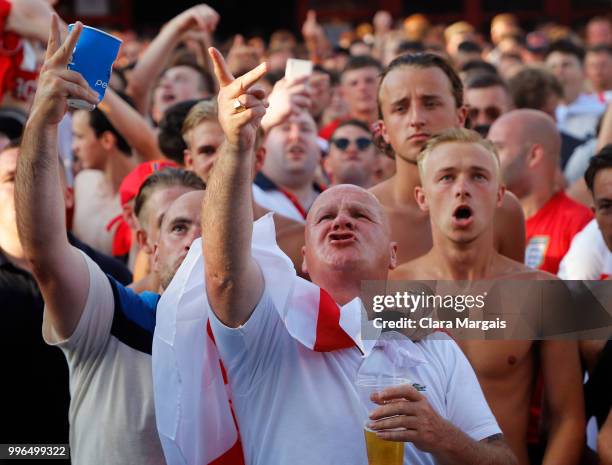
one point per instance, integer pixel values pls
(206, 110)
(457, 135)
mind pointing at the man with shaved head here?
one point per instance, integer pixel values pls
(529, 145)
(461, 188)
(290, 359)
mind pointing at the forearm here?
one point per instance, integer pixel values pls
(132, 126)
(39, 202)
(150, 65)
(233, 277)
(460, 449)
(565, 442)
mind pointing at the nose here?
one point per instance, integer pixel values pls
(343, 221)
(417, 116)
(461, 188)
(294, 133)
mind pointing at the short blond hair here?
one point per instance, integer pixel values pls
(461, 135)
(206, 110)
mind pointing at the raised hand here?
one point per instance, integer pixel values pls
(288, 97)
(56, 82)
(240, 105)
(200, 17)
(311, 29)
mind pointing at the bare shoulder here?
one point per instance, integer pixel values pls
(286, 227)
(383, 191)
(511, 207)
(419, 268)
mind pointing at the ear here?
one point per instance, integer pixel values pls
(304, 265)
(421, 199)
(142, 239)
(462, 113)
(500, 195)
(129, 217)
(155, 257)
(108, 140)
(535, 155)
(392, 255)
(383, 131)
(260, 158)
(187, 160)
(69, 198)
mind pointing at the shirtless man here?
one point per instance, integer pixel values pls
(461, 191)
(419, 96)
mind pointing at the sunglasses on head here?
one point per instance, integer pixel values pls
(342, 143)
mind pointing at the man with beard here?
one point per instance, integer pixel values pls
(529, 145)
(104, 329)
(461, 190)
(419, 96)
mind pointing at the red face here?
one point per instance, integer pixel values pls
(417, 103)
(460, 189)
(347, 232)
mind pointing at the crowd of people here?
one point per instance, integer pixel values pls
(195, 246)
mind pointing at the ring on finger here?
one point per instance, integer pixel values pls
(238, 106)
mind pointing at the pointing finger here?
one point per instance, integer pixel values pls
(222, 72)
(63, 54)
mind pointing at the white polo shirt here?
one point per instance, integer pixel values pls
(297, 406)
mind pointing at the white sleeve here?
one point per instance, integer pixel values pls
(584, 259)
(93, 330)
(249, 350)
(467, 407)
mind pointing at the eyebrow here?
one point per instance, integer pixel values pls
(181, 220)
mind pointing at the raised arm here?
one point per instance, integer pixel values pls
(564, 398)
(59, 268)
(32, 19)
(154, 59)
(234, 282)
(132, 126)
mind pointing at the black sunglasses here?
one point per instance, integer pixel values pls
(342, 143)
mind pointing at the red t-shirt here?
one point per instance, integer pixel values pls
(551, 230)
(18, 67)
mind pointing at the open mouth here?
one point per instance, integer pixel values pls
(167, 98)
(463, 212)
(341, 238)
(463, 216)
